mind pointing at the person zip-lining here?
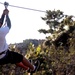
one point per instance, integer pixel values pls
(8, 56)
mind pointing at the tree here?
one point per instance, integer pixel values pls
(52, 61)
(61, 28)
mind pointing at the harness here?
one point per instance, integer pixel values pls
(2, 52)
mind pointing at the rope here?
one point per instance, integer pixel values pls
(24, 8)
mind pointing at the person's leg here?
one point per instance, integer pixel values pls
(20, 60)
(27, 63)
(22, 66)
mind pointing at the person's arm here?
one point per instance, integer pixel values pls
(8, 21)
(2, 18)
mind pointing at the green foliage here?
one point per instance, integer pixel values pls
(58, 23)
(51, 59)
(60, 61)
(52, 19)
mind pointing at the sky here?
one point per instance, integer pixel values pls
(26, 23)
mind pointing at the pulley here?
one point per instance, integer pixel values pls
(6, 4)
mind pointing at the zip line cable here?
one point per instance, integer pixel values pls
(24, 8)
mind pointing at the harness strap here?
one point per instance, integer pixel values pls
(2, 52)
